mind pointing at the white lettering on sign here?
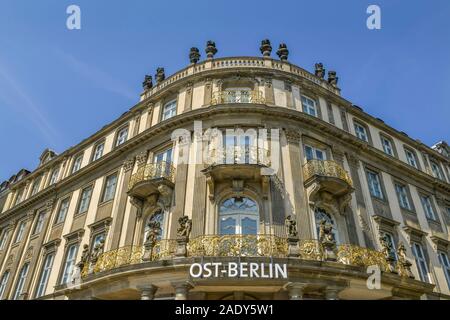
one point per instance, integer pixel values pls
(238, 270)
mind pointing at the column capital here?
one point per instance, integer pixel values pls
(295, 290)
(128, 164)
(292, 136)
(182, 288)
(147, 291)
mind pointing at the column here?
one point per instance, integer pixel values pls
(182, 289)
(148, 292)
(296, 290)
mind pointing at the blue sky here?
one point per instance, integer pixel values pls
(59, 86)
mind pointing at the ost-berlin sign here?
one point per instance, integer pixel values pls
(239, 270)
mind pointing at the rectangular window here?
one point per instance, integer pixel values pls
(361, 132)
(77, 163)
(309, 106)
(85, 199)
(20, 232)
(3, 283)
(45, 274)
(54, 176)
(387, 146)
(21, 281)
(110, 188)
(402, 195)
(69, 263)
(3, 239)
(421, 262)
(36, 185)
(437, 172)
(411, 158)
(169, 110)
(312, 153)
(19, 196)
(374, 184)
(39, 223)
(445, 263)
(428, 207)
(62, 212)
(164, 159)
(98, 151)
(122, 136)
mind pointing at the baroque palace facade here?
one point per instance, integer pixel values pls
(234, 178)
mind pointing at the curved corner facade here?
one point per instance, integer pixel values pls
(234, 178)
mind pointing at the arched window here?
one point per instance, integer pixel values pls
(321, 214)
(157, 217)
(238, 216)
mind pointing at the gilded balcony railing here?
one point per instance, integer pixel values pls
(238, 155)
(326, 168)
(151, 171)
(237, 96)
(238, 246)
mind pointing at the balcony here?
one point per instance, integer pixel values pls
(152, 179)
(329, 177)
(237, 96)
(239, 246)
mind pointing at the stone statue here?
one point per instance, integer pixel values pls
(211, 49)
(327, 241)
(148, 82)
(403, 263)
(153, 233)
(332, 79)
(388, 253)
(291, 226)
(266, 48)
(194, 55)
(160, 75)
(283, 52)
(97, 252)
(184, 230)
(320, 71)
(85, 256)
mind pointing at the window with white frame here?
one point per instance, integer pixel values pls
(421, 262)
(312, 153)
(428, 207)
(238, 216)
(411, 158)
(77, 163)
(3, 238)
(45, 275)
(110, 188)
(163, 160)
(437, 172)
(122, 136)
(445, 263)
(54, 176)
(374, 184)
(169, 110)
(20, 231)
(98, 151)
(361, 132)
(387, 146)
(21, 281)
(85, 199)
(402, 194)
(39, 223)
(69, 263)
(3, 283)
(62, 212)
(36, 184)
(309, 106)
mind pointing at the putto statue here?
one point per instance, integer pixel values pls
(148, 82)
(319, 70)
(184, 230)
(211, 49)
(403, 263)
(332, 79)
(84, 258)
(291, 227)
(194, 55)
(283, 52)
(160, 75)
(327, 241)
(388, 252)
(154, 230)
(266, 48)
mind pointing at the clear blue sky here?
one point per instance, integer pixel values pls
(58, 86)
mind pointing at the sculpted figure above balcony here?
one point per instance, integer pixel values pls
(328, 184)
